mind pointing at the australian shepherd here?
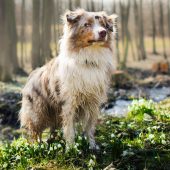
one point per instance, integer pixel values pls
(71, 87)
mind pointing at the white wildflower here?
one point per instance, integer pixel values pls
(42, 146)
(163, 142)
(59, 145)
(79, 138)
(162, 136)
(107, 122)
(112, 135)
(91, 163)
(151, 136)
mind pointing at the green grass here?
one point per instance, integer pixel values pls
(142, 140)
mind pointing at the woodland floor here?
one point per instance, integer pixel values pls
(141, 140)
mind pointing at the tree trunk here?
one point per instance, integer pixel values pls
(46, 30)
(58, 13)
(92, 6)
(153, 27)
(117, 37)
(22, 33)
(114, 6)
(125, 15)
(161, 23)
(132, 47)
(88, 5)
(36, 61)
(136, 17)
(5, 42)
(54, 28)
(78, 3)
(122, 19)
(13, 34)
(102, 5)
(70, 5)
(141, 33)
(168, 18)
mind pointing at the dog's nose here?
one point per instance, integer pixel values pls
(102, 34)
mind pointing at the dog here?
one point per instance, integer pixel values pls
(72, 87)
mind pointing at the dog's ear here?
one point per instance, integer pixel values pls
(72, 16)
(111, 22)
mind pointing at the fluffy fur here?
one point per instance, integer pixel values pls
(71, 87)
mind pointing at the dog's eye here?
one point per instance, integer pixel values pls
(87, 25)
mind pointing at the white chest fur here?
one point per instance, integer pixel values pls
(85, 72)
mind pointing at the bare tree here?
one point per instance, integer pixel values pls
(70, 5)
(114, 6)
(22, 32)
(161, 27)
(126, 34)
(136, 17)
(117, 36)
(153, 27)
(122, 11)
(102, 5)
(46, 30)
(6, 46)
(13, 34)
(58, 7)
(141, 31)
(5, 74)
(88, 5)
(36, 61)
(77, 3)
(92, 5)
(168, 18)
(54, 26)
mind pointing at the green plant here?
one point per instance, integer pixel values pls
(129, 143)
(142, 109)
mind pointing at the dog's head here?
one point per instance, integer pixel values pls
(84, 29)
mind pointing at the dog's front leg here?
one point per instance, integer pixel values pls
(89, 128)
(68, 125)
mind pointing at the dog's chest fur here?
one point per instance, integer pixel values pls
(85, 74)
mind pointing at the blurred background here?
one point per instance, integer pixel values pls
(29, 35)
(30, 30)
